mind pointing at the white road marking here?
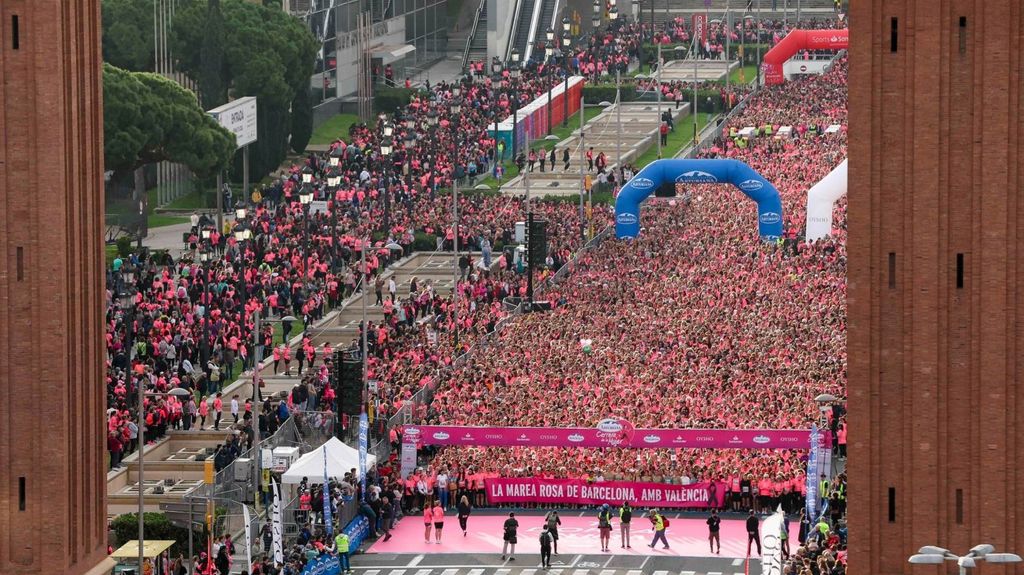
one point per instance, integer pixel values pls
(608, 572)
(661, 573)
(415, 561)
(397, 572)
(476, 571)
(423, 571)
(634, 572)
(502, 572)
(449, 572)
(580, 572)
(737, 561)
(372, 571)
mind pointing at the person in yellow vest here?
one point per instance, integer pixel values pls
(341, 548)
(823, 488)
(658, 523)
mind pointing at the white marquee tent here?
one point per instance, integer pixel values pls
(340, 460)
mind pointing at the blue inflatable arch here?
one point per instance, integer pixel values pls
(751, 183)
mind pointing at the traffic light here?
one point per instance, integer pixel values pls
(537, 241)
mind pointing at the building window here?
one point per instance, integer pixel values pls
(959, 506)
(963, 35)
(892, 270)
(21, 494)
(15, 32)
(959, 271)
(893, 34)
(21, 262)
(892, 505)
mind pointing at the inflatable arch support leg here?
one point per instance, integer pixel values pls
(821, 198)
(735, 172)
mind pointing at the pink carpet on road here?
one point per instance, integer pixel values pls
(577, 535)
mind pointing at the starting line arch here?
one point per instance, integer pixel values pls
(796, 40)
(723, 171)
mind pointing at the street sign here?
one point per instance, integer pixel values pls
(178, 513)
(239, 118)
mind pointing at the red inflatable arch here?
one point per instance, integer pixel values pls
(771, 66)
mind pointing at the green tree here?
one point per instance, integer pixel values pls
(148, 118)
(213, 91)
(267, 54)
(302, 121)
(128, 34)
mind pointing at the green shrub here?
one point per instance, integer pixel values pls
(424, 242)
(157, 527)
(124, 246)
(388, 100)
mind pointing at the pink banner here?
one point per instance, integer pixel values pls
(581, 492)
(700, 28)
(609, 433)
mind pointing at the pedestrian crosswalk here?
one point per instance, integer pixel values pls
(570, 570)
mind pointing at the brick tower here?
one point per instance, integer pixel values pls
(52, 471)
(936, 288)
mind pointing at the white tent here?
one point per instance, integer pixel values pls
(340, 460)
(820, 200)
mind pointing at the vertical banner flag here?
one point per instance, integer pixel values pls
(771, 543)
(278, 527)
(328, 520)
(700, 28)
(812, 473)
(408, 455)
(248, 536)
(364, 439)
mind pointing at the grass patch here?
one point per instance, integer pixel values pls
(334, 128)
(110, 253)
(297, 327)
(749, 75)
(590, 112)
(161, 220)
(677, 140)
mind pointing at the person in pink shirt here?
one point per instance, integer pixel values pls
(428, 521)
(438, 518)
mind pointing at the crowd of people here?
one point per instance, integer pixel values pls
(695, 324)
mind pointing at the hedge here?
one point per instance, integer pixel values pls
(157, 527)
(667, 50)
(388, 100)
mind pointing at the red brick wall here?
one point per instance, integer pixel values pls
(935, 369)
(51, 312)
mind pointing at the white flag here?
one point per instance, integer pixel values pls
(771, 543)
(278, 527)
(248, 537)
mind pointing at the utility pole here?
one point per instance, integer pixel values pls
(583, 161)
(657, 86)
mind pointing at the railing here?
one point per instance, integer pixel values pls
(512, 30)
(472, 35)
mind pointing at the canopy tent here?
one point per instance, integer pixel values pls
(340, 460)
(151, 548)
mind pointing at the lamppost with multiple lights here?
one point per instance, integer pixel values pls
(513, 72)
(305, 199)
(932, 555)
(566, 41)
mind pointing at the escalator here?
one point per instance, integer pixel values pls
(521, 35)
(547, 10)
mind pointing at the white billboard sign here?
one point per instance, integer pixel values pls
(239, 117)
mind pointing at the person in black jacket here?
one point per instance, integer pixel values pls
(510, 527)
(464, 510)
(752, 533)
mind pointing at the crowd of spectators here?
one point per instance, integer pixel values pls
(695, 324)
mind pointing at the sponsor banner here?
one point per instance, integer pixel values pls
(811, 499)
(582, 492)
(408, 460)
(771, 543)
(700, 27)
(610, 433)
(326, 564)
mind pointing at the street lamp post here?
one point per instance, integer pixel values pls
(596, 18)
(566, 41)
(386, 146)
(514, 73)
(127, 303)
(305, 198)
(931, 555)
(455, 107)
